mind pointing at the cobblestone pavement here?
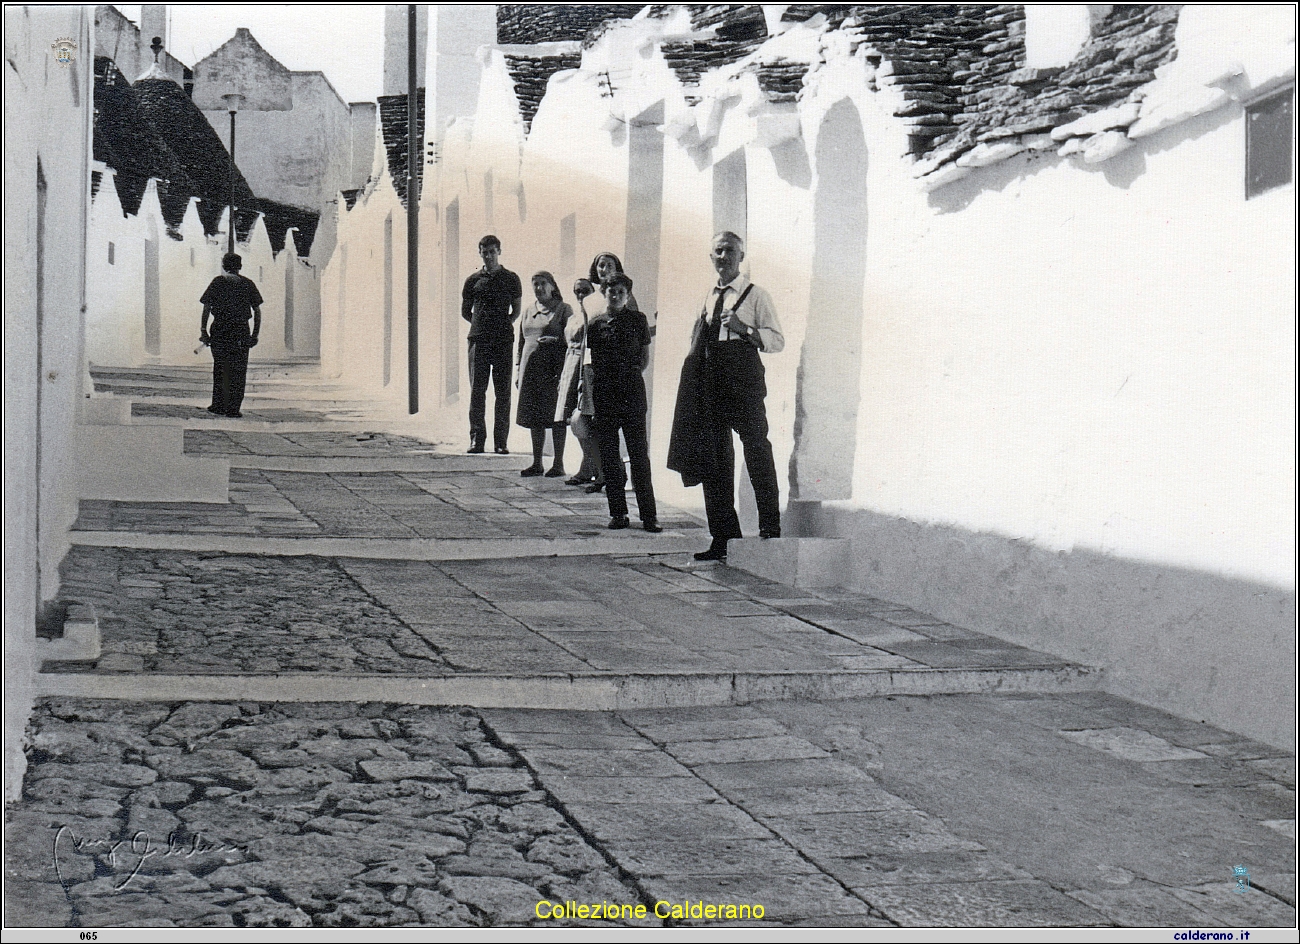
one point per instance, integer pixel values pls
(212, 613)
(205, 613)
(210, 814)
(372, 815)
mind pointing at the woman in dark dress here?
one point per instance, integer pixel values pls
(540, 363)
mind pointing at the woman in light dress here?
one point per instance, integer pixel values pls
(540, 361)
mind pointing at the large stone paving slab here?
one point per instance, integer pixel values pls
(948, 857)
(1070, 814)
(448, 506)
(986, 904)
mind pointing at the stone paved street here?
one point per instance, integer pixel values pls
(383, 815)
(177, 612)
(411, 727)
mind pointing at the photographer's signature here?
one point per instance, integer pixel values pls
(139, 848)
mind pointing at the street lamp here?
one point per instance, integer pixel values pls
(233, 100)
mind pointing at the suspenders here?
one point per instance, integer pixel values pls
(704, 314)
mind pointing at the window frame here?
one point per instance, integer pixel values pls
(1253, 104)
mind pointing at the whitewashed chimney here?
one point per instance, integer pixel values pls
(1054, 33)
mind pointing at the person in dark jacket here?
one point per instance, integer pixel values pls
(604, 266)
(620, 350)
(490, 301)
(230, 300)
(723, 388)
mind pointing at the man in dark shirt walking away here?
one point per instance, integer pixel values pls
(491, 301)
(230, 300)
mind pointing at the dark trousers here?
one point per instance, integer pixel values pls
(229, 370)
(736, 389)
(490, 356)
(611, 463)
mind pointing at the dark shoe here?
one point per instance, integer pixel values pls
(594, 487)
(717, 552)
(531, 471)
(770, 533)
(619, 523)
(475, 449)
(213, 409)
(501, 451)
(652, 526)
(575, 480)
(554, 472)
(235, 415)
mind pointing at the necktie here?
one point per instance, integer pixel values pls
(715, 323)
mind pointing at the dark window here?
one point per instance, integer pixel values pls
(111, 248)
(1268, 142)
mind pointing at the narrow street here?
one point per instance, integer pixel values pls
(390, 684)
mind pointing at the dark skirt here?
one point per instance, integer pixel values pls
(539, 387)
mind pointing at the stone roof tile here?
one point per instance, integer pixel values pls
(530, 75)
(959, 68)
(526, 23)
(152, 129)
(392, 122)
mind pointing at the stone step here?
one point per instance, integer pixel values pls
(795, 562)
(631, 541)
(80, 640)
(449, 462)
(570, 691)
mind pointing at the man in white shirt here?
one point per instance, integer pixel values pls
(737, 321)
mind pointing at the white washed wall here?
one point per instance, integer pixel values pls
(1076, 385)
(115, 307)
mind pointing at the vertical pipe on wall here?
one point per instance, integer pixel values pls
(412, 223)
(230, 241)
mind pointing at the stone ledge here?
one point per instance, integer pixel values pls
(796, 562)
(145, 463)
(80, 640)
(632, 541)
(576, 692)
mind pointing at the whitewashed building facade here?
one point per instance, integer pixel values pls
(1036, 272)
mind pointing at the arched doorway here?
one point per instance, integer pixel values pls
(826, 403)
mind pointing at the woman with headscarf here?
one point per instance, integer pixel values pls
(540, 364)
